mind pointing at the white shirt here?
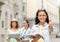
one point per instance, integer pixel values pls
(45, 31)
(25, 33)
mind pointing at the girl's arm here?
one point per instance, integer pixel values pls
(51, 25)
(17, 38)
(36, 38)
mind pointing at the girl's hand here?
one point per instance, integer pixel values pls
(23, 40)
(8, 38)
(51, 24)
(17, 38)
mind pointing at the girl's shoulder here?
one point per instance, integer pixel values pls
(8, 29)
(18, 29)
(21, 29)
(35, 27)
(29, 29)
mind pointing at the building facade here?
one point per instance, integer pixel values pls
(22, 9)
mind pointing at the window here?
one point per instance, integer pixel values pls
(2, 24)
(6, 19)
(15, 15)
(0, 13)
(23, 8)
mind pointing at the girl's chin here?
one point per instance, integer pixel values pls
(42, 21)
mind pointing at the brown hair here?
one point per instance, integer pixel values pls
(17, 26)
(27, 22)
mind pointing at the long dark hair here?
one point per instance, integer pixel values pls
(37, 20)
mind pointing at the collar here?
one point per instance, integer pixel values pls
(25, 29)
(43, 25)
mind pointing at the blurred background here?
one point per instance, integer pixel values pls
(26, 9)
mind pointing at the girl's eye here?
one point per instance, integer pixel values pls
(44, 15)
(39, 15)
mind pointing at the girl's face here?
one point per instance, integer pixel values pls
(25, 24)
(14, 24)
(42, 16)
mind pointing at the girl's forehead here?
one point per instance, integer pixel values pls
(42, 12)
(24, 21)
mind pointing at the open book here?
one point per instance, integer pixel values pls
(36, 35)
(14, 35)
